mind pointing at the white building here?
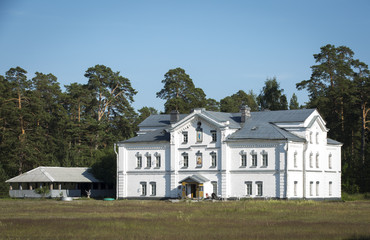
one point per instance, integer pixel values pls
(270, 154)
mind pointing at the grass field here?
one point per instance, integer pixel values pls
(129, 219)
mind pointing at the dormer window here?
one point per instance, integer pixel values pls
(199, 132)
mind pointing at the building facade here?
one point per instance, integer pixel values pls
(268, 154)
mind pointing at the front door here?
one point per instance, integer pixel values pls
(193, 190)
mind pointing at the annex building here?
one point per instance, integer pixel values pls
(269, 154)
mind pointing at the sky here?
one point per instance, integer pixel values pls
(224, 46)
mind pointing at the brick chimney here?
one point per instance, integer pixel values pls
(245, 113)
(175, 116)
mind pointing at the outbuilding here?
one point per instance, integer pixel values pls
(61, 181)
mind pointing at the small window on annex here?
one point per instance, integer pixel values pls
(214, 135)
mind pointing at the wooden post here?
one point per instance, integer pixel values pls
(10, 187)
(51, 186)
(59, 186)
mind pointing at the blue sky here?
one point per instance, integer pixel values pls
(224, 46)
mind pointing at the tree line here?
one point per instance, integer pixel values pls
(42, 125)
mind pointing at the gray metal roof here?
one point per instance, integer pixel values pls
(195, 178)
(333, 142)
(56, 174)
(259, 126)
(159, 135)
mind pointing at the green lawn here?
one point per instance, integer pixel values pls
(128, 219)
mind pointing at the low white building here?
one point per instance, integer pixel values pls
(269, 154)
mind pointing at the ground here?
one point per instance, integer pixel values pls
(133, 219)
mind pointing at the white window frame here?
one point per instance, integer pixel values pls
(248, 188)
(317, 160)
(295, 188)
(185, 137)
(243, 160)
(330, 161)
(311, 160)
(214, 135)
(311, 188)
(317, 138)
(157, 160)
(148, 160)
(214, 187)
(254, 159)
(317, 188)
(143, 188)
(265, 162)
(213, 159)
(139, 160)
(185, 160)
(295, 159)
(311, 138)
(330, 188)
(153, 188)
(259, 191)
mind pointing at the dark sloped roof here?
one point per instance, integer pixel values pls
(333, 142)
(263, 130)
(154, 136)
(299, 115)
(159, 120)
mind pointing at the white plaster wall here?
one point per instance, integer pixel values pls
(134, 187)
(238, 187)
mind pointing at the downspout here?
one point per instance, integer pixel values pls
(117, 188)
(305, 146)
(286, 169)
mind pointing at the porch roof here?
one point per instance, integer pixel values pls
(195, 178)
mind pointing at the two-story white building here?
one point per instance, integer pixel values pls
(270, 154)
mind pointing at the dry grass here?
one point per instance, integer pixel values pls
(51, 219)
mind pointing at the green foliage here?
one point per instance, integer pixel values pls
(232, 103)
(293, 103)
(105, 167)
(272, 97)
(43, 191)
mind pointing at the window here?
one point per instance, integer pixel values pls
(139, 160)
(264, 159)
(310, 137)
(259, 188)
(295, 159)
(244, 160)
(199, 132)
(317, 188)
(330, 188)
(317, 138)
(317, 160)
(214, 136)
(213, 159)
(295, 188)
(143, 188)
(185, 159)
(199, 159)
(248, 188)
(185, 137)
(254, 160)
(157, 160)
(311, 188)
(330, 163)
(311, 163)
(153, 188)
(148, 161)
(214, 186)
